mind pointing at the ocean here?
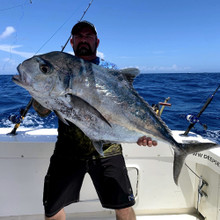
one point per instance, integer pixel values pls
(188, 92)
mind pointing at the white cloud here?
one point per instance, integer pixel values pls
(12, 49)
(100, 54)
(71, 52)
(10, 61)
(8, 66)
(172, 68)
(7, 32)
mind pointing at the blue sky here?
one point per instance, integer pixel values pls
(153, 35)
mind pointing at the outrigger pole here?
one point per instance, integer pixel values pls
(201, 111)
(24, 112)
(163, 105)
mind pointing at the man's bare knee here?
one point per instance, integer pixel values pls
(125, 214)
(59, 216)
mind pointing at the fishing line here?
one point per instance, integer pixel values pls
(192, 171)
(172, 152)
(61, 27)
(16, 6)
(63, 47)
(84, 13)
(23, 114)
(7, 62)
(57, 30)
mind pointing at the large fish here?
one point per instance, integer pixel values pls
(101, 102)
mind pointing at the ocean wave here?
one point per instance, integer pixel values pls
(186, 91)
(32, 120)
(213, 135)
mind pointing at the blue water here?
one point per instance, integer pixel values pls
(187, 91)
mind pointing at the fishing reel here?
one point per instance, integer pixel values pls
(192, 119)
(157, 109)
(16, 119)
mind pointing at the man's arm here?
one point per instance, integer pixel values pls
(41, 111)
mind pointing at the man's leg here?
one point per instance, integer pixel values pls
(125, 214)
(110, 178)
(59, 216)
(62, 185)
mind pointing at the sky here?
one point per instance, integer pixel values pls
(156, 36)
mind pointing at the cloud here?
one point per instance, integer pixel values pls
(8, 66)
(172, 68)
(71, 52)
(100, 54)
(10, 61)
(8, 31)
(12, 49)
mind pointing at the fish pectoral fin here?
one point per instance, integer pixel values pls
(177, 165)
(130, 74)
(61, 117)
(98, 146)
(82, 104)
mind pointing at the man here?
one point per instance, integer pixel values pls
(74, 154)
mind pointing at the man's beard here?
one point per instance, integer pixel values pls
(84, 49)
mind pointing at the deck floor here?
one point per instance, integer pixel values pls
(69, 217)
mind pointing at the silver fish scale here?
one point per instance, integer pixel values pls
(101, 102)
(109, 93)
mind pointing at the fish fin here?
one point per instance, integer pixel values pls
(82, 104)
(98, 146)
(130, 74)
(185, 150)
(177, 165)
(193, 147)
(61, 117)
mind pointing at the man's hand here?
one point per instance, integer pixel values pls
(146, 141)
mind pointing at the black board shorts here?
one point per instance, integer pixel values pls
(65, 176)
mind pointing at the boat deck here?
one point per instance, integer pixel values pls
(74, 217)
(25, 158)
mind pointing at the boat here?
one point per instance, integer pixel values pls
(25, 158)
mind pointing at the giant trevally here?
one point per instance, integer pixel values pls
(100, 101)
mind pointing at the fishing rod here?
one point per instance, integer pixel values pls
(79, 21)
(18, 119)
(194, 119)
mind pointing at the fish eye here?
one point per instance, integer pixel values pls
(45, 69)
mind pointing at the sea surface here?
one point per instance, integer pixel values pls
(188, 93)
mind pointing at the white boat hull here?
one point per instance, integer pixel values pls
(25, 158)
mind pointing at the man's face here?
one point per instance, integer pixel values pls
(85, 43)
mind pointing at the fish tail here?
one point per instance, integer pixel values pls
(177, 166)
(183, 150)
